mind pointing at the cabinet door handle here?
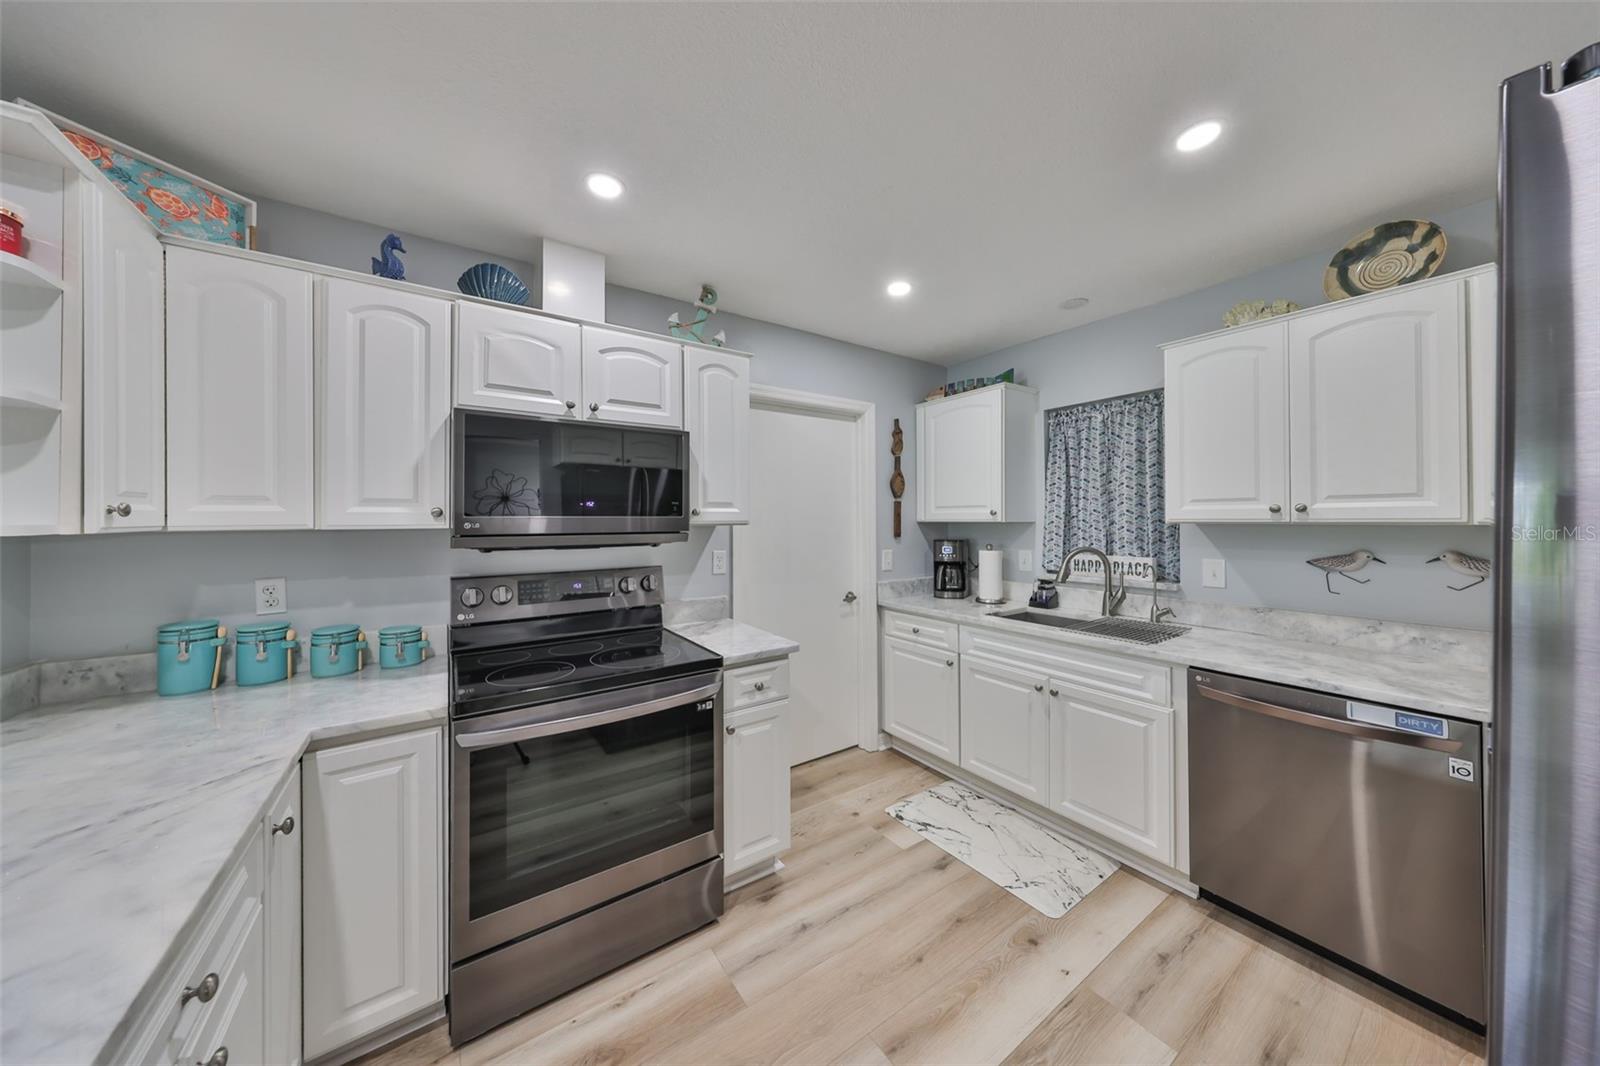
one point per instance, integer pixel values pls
(761, 686)
(571, 404)
(218, 1057)
(916, 629)
(1299, 508)
(1274, 508)
(1038, 688)
(121, 510)
(204, 991)
(849, 597)
(286, 827)
(993, 512)
(695, 511)
(437, 512)
(730, 730)
(1055, 692)
(949, 662)
(593, 408)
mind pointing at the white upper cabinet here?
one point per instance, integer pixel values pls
(1377, 409)
(1483, 370)
(514, 361)
(717, 416)
(978, 456)
(1005, 727)
(124, 369)
(238, 393)
(633, 379)
(383, 407)
(1226, 433)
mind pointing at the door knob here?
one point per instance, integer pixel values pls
(571, 404)
(1274, 508)
(1299, 508)
(121, 510)
(437, 512)
(849, 597)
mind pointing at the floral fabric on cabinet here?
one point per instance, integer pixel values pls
(174, 204)
(1104, 481)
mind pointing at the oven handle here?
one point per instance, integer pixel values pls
(1334, 725)
(546, 726)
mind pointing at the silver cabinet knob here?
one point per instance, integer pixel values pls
(571, 404)
(1274, 508)
(993, 512)
(218, 1057)
(916, 629)
(849, 597)
(730, 730)
(286, 827)
(121, 510)
(761, 686)
(1299, 508)
(695, 511)
(204, 991)
(594, 407)
(949, 662)
(1055, 692)
(437, 512)
(1038, 688)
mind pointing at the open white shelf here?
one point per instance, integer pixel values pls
(15, 270)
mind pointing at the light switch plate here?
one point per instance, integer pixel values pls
(886, 563)
(1025, 560)
(1214, 573)
(272, 595)
(719, 561)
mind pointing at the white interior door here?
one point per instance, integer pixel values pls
(795, 562)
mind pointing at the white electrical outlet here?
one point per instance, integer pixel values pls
(886, 563)
(719, 561)
(1025, 560)
(272, 595)
(1213, 573)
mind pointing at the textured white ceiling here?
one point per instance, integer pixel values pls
(1003, 158)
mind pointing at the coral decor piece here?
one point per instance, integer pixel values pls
(1256, 310)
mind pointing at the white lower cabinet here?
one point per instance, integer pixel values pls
(921, 696)
(236, 1024)
(374, 887)
(282, 830)
(1111, 767)
(1005, 727)
(755, 783)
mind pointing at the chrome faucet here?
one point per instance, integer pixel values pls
(1110, 599)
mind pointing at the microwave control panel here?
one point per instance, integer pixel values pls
(513, 596)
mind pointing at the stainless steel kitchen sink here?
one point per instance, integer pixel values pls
(1132, 630)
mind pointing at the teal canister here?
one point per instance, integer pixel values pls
(401, 646)
(189, 656)
(337, 650)
(263, 653)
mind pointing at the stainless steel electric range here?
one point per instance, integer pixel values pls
(586, 785)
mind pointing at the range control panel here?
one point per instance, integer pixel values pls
(513, 596)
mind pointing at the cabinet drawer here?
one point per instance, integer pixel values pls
(1100, 671)
(167, 1023)
(934, 634)
(747, 686)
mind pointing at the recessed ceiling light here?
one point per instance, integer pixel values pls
(558, 288)
(1074, 302)
(1198, 136)
(898, 288)
(604, 185)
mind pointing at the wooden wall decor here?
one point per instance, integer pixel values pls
(897, 480)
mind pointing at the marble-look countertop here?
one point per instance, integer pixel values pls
(117, 815)
(737, 643)
(1417, 683)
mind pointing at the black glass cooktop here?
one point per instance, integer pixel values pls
(522, 675)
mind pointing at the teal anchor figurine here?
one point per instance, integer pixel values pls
(390, 266)
(705, 307)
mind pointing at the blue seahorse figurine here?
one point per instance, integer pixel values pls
(390, 266)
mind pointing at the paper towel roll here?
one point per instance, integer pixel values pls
(991, 581)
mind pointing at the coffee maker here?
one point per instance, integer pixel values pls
(950, 569)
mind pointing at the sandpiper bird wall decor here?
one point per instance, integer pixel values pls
(1473, 566)
(1345, 565)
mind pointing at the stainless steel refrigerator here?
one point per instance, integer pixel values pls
(1545, 900)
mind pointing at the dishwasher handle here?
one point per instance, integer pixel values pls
(1332, 725)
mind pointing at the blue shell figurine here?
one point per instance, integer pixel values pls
(390, 266)
(491, 281)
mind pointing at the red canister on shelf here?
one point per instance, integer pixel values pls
(10, 229)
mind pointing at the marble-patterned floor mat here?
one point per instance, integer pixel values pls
(1042, 868)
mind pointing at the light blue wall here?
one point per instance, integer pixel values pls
(70, 597)
(1266, 566)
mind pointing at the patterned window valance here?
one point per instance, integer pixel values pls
(1104, 481)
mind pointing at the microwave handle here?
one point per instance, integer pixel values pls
(545, 726)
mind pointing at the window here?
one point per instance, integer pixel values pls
(1103, 484)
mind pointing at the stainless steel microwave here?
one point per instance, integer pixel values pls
(520, 481)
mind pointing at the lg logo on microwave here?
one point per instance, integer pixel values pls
(472, 525)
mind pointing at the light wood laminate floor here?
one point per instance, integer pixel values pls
(874, 946)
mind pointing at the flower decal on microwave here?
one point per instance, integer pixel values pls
(505, 493)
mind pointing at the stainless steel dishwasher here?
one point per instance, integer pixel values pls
(1355, 826)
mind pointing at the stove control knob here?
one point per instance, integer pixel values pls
(471, 596)
(648, 582)
(624, 585)
(501, 594)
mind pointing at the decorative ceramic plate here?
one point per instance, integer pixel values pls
(1395, 253)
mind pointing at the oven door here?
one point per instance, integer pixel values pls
(520, 481)
(561, 807)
